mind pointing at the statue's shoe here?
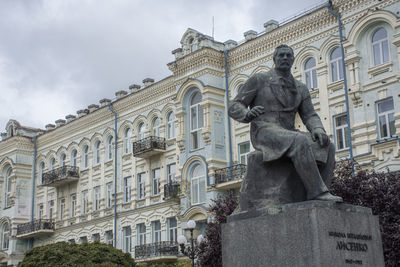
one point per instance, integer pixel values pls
(329, 197)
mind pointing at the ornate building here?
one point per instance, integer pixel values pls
(132, 171)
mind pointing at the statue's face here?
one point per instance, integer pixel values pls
(284, 59)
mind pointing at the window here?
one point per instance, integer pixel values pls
(83, 239)
(341, 134)
(191, 45)
(171, 125)
(141, 178)
(156, 127)
(73, 205)
(40, 175)
(141, 130)
(385, 113)
(5, 234)
(85, 202)
(127, 141)
(127, 189)
(96, 154)
(52, 164)
(127, 238)
(244, 150)
(156, 231)
(96, 237)
(336, 65)
(171, 171)
(198, 184)
(109, 149)
(109, 195)
(62, 208)
(74, 155)
(155, 182)
(172, 229)
(380, 46)
(63, 157)
(40, 211)
(71, 241)
(8, 188)
(109, 237)
(196, 120)
(96, 195)
(310, 72)
(85, 154)
(141, 234)
(50, 209)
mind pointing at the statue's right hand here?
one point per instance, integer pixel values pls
(254, 112)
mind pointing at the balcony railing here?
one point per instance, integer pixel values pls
(35, 228)
(171, 190)
(159, 250)
(236, 172)
(148, 146)
(61, 175)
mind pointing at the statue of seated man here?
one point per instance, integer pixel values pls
(269, 102)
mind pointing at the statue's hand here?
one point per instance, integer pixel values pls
(254, 112)
(318, 134)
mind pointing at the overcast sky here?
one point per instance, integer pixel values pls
(57, 57)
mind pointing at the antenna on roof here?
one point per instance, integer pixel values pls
(212, 27)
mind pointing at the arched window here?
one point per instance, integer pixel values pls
(52, 164)
(7, 191)
(171, 125)
(5, 233)
(310, 73)
(109, 150)
(62, 159)
(127, 141)
(85, 156)
(141, 130)
(96, 153)
(380, 46)
(156, 127)
(74, 158)
(198, 184)
(41, 168)
(336, 65)
(196, 120)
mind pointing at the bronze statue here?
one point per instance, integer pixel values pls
(274, 98)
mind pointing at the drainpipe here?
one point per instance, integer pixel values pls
(346, 94)
(227, 107)
(33, 186)
(115, 172)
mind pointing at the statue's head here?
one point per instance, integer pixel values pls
(283, 57)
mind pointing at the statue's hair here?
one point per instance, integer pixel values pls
(282, 46)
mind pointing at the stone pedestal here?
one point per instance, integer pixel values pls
(304, 234)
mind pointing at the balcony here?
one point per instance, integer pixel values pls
(36, 228)
(171, 190)
(161, 251)
(148, 147)
(60, 176)
(230, 177)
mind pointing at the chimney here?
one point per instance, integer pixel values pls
(230, 44)
(50, 127)
(60, 122)
(70, 117)
(271, 25)
(93, 107)
(82, 112)
(250, 35)
(104, 102)
(148, 82)
(120, 94)
(134, 88)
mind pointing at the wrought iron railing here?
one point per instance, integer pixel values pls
(60, 174)
(227, 174)
(171, 190)
(147, 144)
(36, 225)
(164, 248)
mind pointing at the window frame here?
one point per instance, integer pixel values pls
(73, 203)
(195, 130)
(337, 62)
(96, 153)
(127, 189)
(85, 202)
(96, 198)
(156, 233)
(171, 175)
(110, 147)
(109, 195)
(141, 185)
(127, 141)
(380, 45)
(171, 125)
(85, 157)
(312, 73)
(127, 239)
(343, 129)
(386, 114)
(172, 230)
(155, 182)
(243, 154)
(141, 233)
(198, 179)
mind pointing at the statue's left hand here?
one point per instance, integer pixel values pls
(319, 135)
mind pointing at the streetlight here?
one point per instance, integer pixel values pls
(191, 251)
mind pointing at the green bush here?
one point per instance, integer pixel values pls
(76, 255)
(172, 264)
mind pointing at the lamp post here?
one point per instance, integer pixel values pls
(192, 251)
